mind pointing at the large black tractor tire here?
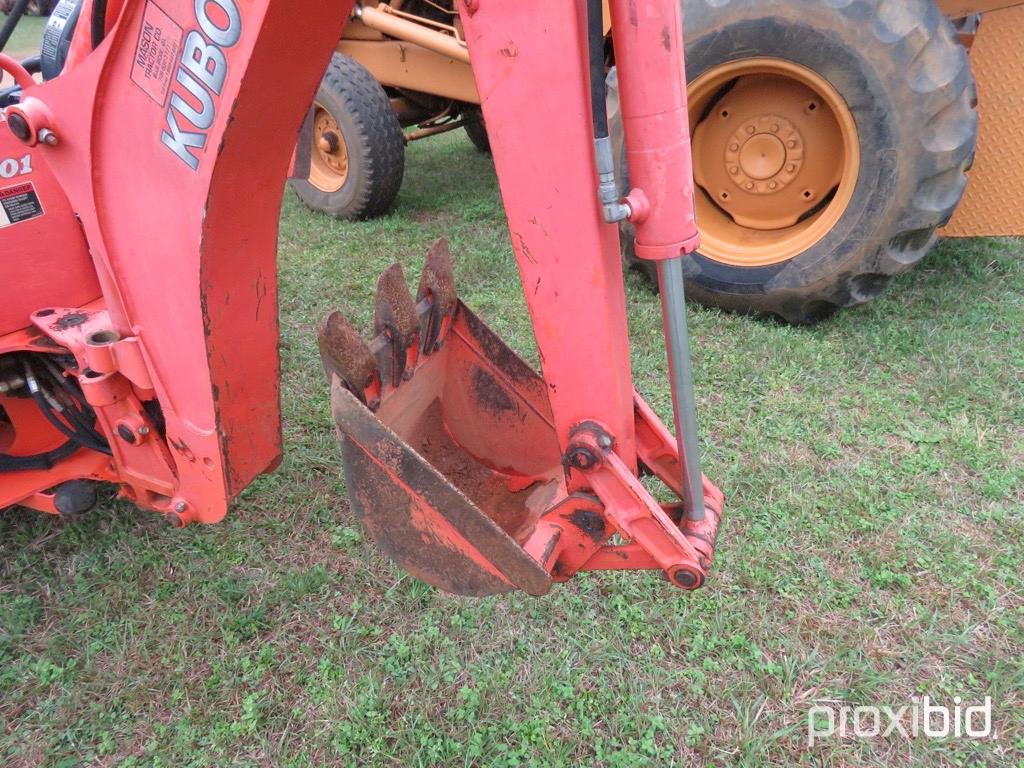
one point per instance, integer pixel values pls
(477, 131)
(907, 85)
(358, 151)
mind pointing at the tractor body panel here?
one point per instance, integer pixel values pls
(151, 155)
(992, 205)
(39, 237)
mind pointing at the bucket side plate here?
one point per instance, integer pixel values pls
(419, 519)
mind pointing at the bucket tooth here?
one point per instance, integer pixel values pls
(344, 354)
(395, 318)
(437, 282)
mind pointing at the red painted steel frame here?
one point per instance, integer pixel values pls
(183, 237)
(185, 257)
(533, 81)
(648, 41)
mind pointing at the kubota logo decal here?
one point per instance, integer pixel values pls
(200, 78)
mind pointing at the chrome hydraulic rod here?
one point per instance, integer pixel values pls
(677, 346)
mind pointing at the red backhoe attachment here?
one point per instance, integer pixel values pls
(453, 460)
(139, 346)
(471, 470)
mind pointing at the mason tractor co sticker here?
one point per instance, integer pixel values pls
(156, 54)
(19, 203)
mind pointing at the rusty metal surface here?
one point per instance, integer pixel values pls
(992, 204)
(455, 459)
(437, 282)
(344, 353)
(395, 310)
(420, 519)
(394, 317)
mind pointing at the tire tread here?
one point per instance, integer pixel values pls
(378, 143)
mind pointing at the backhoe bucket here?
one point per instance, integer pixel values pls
(449, 451)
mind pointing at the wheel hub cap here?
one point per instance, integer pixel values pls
(764, 154)
(329, 169)
(775, 156)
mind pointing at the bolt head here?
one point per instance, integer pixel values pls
(581, 458)
(180, 507)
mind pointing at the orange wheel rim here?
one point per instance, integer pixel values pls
(776, 160)
(329, 166)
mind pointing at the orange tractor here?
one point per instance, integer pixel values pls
(139, 327)
(832, 140)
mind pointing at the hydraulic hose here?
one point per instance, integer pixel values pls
(612, 208)
(33, 64)
(46, 460)
(80, 414)
(78, 428)
(98, 22)
(595, 48)
(74, 430)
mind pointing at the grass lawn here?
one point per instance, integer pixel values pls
(27, 37)
(871, 552)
